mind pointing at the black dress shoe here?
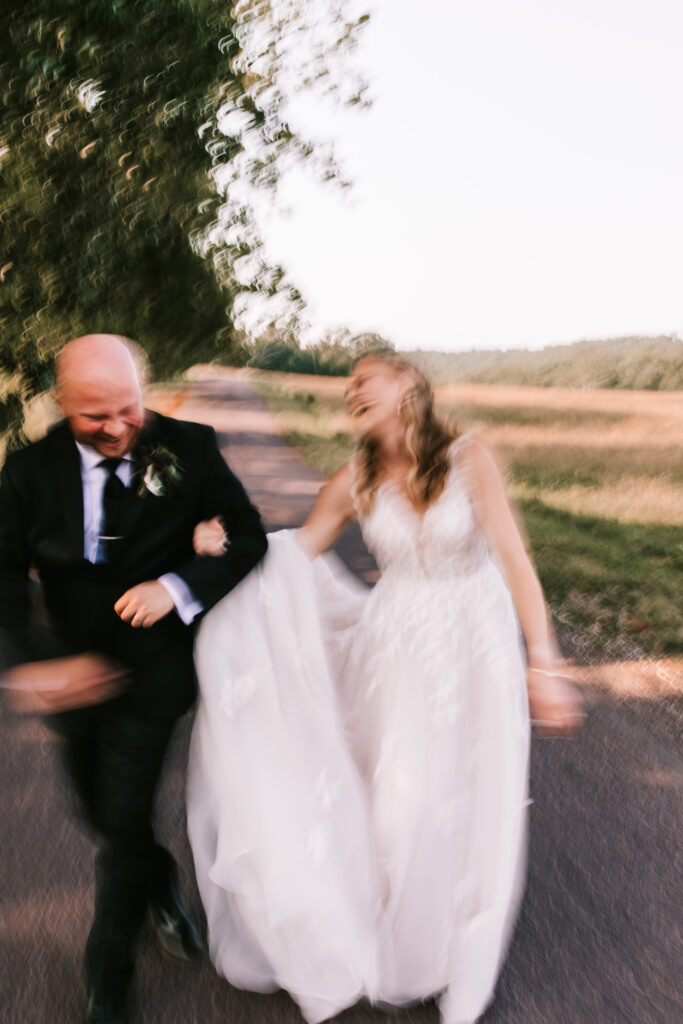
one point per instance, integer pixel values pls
(175, 932)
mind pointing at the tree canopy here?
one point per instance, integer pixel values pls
(333, 356)
(133, 134)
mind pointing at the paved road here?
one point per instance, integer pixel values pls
(599, 937)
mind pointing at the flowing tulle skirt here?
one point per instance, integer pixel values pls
(357, 785)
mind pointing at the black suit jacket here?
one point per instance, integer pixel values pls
(41, 535)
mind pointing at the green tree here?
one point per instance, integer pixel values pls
(334, 355)
(133, 134)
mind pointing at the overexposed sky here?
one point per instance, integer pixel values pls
(518, 181)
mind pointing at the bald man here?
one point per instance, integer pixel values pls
(103, 510)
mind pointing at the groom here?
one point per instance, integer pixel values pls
(103, 510)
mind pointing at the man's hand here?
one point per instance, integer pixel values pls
(144, 604)
(60, 684)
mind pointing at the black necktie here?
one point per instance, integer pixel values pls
(112, 501)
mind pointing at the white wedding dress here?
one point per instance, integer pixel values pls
(358, 770)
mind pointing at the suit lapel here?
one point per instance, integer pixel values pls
(135, 504)
(65, 470)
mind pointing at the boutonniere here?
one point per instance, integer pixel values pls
(160, 470)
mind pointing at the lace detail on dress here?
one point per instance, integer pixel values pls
(237, 690)
(444, 542)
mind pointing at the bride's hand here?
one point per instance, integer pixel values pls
(555, 705)
(210, 538)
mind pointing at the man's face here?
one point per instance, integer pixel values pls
(105, 414)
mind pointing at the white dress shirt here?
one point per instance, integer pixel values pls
(94, 477)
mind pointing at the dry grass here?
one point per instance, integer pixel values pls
(597, 476)
(612, 454)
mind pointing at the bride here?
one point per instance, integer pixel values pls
(358, 770)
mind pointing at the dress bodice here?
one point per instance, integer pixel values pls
(444, 542)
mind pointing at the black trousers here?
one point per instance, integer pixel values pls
(114, 754)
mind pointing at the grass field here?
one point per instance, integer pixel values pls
(596, 476)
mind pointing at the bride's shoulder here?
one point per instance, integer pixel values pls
(344, 477)
(462, 449)
(339, 488)
(467, 446)
(475, 459)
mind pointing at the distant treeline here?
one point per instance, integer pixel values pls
(651, 364)
(332, 357)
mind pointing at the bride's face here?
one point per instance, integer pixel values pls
(372, 397)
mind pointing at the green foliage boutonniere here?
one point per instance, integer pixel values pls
(159, 470)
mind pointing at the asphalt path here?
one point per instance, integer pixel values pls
(599, 938)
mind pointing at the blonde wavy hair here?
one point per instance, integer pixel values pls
(427, 440)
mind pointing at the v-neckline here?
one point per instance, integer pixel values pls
(395, 488)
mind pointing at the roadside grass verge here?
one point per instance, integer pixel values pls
(600, 497)
(619, 583)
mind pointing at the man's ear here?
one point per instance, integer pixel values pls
(54, 395)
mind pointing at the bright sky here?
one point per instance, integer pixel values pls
(518, 182)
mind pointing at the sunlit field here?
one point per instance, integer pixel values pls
(597, 479)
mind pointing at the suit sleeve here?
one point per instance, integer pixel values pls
(15, 588)
(222, 494)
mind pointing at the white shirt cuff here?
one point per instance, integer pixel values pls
(186, 604)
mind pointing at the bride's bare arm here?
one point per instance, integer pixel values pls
(554, 704)
(504, 538)
(332, 510)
